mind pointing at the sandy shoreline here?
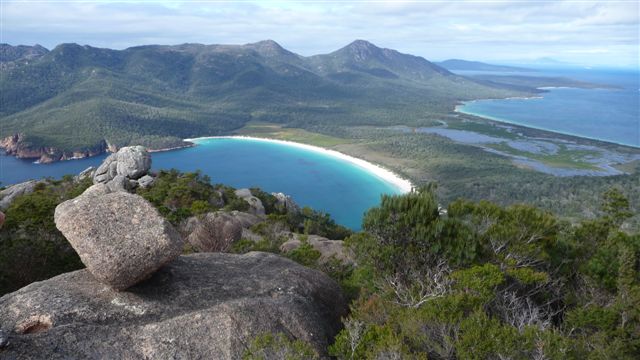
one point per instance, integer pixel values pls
(388, 176)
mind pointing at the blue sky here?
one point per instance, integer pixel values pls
(593, 33)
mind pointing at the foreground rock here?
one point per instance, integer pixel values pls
(214, 232)
(132, 162)
(201, 306)
(120, 237)
(12, 192)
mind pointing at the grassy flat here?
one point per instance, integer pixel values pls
(276, 131)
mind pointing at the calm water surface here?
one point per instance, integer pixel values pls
(603, 114)
(314, 179)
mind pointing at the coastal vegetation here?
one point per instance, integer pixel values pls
(466, 171)
(479, 281)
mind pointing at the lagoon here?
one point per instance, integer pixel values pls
(328, 181)
(606, 114)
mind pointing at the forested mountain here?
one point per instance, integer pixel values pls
(76, 100)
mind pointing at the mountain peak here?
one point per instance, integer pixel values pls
(268, 48)
(361, 50)
(362, 45)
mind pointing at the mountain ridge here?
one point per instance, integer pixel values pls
(75, 98)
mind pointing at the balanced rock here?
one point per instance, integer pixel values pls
(255, 205)
(201, 306)
(120, 237)
(132, 162)
(214, 232)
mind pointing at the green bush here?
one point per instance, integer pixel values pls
(277, 346)
(31, 247)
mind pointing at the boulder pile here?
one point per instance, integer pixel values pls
(120, 237)
(140, 298)
(124, 170)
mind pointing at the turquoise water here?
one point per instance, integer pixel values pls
(604, 114)
(313, 179)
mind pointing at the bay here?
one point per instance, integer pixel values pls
(316, 179)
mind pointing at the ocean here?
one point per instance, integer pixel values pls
(314, 179)
(611, 115)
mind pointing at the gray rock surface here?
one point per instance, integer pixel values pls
(4, 339)
(120, 237)
(86, 173)
(285, 203)
(12, 192)
(132, 162)
(243, 193)
(214, 232)
(328, 248)
(119, 183)
(146, 181)
(201, 306)
(250, 235)
(247, 220)
(255, 205)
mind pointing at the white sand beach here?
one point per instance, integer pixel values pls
(388, 176)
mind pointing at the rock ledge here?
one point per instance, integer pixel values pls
(199, 306)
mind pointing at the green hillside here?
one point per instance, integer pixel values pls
(75, 97)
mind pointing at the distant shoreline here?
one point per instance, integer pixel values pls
(388, 176)
(458, 110)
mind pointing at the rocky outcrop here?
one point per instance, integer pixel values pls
(329, 249)
(12, 192)
(2, 217)
(285, 203)
(132, 162)
(86, 173)
(246, 220)
(255, 205)
(120, 237)
(17, 145)
(200, 306)
(146, 181)
(214, 232)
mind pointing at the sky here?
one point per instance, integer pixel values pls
(589, 33)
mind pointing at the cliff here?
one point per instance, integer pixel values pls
(18, 146)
